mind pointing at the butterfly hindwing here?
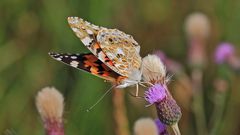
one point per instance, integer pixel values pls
(87, 62)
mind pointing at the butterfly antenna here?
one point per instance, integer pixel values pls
(100, 99)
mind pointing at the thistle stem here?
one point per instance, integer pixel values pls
(175, 129)
(217, 115)
(119, 113)
(198, 105)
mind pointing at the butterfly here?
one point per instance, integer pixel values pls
(114, 54)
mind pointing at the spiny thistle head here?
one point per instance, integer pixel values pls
(50, 105)
(197, 25)
(168, 111)
(153, 69)
(145, 126)
(223, 52)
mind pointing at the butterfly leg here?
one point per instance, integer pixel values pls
(136, 93)
(137, 88)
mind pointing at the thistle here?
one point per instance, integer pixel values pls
(197, 27)
(225, 53)
(50, 105)
(154, 72)
(168, 111)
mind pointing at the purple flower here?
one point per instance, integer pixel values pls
(162, 128)
(161, 55)
(155, 93)
(168, 111)
(223, 51)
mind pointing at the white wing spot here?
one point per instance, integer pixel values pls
(95, 27)
(86, 41)
(87, 23)
(120, 51)
(74, 57)
(74, 64)
(73, 20)
(75, 29)
(89, 32)
(59, 59)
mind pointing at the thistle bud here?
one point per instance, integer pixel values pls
(168, 111)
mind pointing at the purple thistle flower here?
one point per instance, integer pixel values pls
(223, 51)
(155, 94)
(162, 128)
(168, 111)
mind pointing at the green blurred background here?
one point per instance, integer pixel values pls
(30, 29)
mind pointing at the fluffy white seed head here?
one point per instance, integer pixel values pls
(153, 69)
(50, 104)
(145, 126)
(197, 25)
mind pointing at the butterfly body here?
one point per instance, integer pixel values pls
(114, 55)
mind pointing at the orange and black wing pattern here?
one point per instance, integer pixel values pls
(87, 62)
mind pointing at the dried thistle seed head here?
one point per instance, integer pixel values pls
(145, 126)
(197, 25)
(153, 69)
(50, 104)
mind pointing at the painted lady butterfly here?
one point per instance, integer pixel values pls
(114, 55)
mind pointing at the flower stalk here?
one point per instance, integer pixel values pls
(197, 27)
(119, 113)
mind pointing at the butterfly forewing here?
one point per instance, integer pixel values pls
(87, 33)
(119, 51)
(87, 62)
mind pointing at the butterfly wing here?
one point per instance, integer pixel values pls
(87, 62)
(121, 49)
(87, 33)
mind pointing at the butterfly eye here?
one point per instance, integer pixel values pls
(111, 40)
